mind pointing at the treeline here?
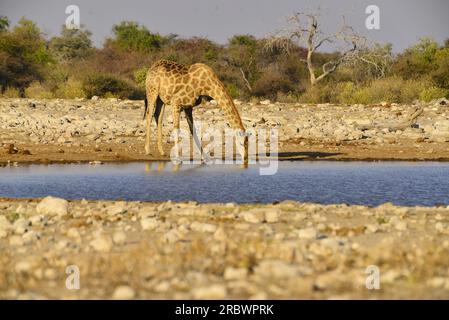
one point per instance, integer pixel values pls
(68, 66)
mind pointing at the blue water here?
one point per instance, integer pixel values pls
(368, 183)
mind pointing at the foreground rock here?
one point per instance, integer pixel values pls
(290, 250)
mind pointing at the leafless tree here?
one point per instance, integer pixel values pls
(303, 30)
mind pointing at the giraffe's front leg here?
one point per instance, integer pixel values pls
(176, 116)
(159, 114)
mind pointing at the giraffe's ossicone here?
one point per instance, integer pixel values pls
(184, 87)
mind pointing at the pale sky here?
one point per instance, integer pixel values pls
(402, 22)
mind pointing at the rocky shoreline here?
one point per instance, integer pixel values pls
(166, 250)
(80, 130)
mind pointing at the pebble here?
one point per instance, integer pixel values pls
(21, 226)
(102, 244)
(232, 273)
(212, 292)
(307, 233)
(149, 223)
(275, 269)
(254, 216)
(53, 206)
(272, 215)
(119, 237)
(123, 293)
(118, 208)
(220, 234)
(5, 226)
(203, 227)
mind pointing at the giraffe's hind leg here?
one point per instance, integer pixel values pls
(159, 115)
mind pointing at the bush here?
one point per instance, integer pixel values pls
(140, 76)
(431, 93)
(286, 97)
(71, 89)
(321, 93)
(104, 84)
(392, 89)
(270, 83)
(38, 91)
(11, 93)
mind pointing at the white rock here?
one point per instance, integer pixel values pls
(307, 233)
(118, 208)
(213, 292)
(232, 273)
(220, 234)
(149, 223)
(102, 244)
(254, 215)
(275, 269)
(53, 206)
(272, 215)
(123, 293)
(148, 212)
(31, 237)
(119, 237)
(171, 236)
(5, 226)
(203, 227)
(21, 226)
(440, 227)
(73, 233)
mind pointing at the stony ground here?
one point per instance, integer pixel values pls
(170, 250)
(113, 130)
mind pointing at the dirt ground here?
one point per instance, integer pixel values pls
(290, 150)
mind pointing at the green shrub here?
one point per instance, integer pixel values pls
(270, 83)
(233, 90)
(321, 93)
(286, 97)
(346, 92)
(38, 91)
(391, 89)
(102, 84)
(431, 93)
(140, 76)
(71, 89)
(11, 93)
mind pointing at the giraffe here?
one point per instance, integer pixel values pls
(184, 87)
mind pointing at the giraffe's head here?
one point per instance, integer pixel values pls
(241, 143)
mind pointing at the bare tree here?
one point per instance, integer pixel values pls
(373, 62)
(304, 31)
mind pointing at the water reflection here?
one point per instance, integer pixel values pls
(169, 166)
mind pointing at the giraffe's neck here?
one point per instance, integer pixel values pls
(227, 105)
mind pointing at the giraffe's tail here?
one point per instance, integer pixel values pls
(146, 108)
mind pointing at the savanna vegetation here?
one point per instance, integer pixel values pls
(69, 66)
